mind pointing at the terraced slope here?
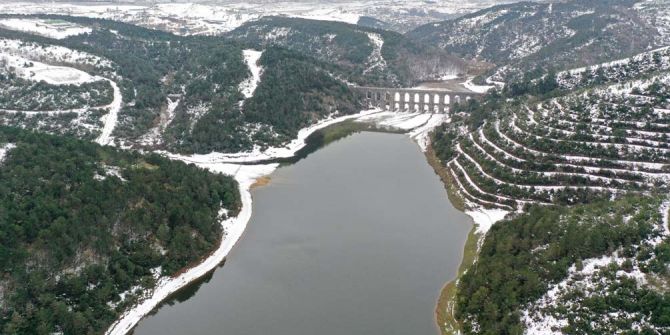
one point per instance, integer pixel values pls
(563, 150)
(596, 141)
(582, 158)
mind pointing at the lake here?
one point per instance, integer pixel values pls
(357, 238)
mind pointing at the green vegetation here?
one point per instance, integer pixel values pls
(81, 125)
(348, 48)
(203, 74)
(521, 258)
(25, 95)
(536, 38)
(577, 139)
(293, 94)
(80, 224)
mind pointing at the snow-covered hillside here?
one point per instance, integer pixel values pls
(644, 64)
(525, 36)
(59, 99)
(372, 57)
(197, 18)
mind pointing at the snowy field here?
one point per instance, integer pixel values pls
(37, 71)
(48, 28)
(220, 18)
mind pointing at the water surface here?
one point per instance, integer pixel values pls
(358, 238)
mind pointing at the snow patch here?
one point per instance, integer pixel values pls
(476, 88)
(248, 86)
(257, 155)
(110, 119)
(110, 171)
(52, 53)
(5, 149)
(485, 218)
(376, 59)
(153, 136)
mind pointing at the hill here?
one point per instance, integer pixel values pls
(581, 161)
(365, 55)
(530, 36)
(85, 229)
(179, 93)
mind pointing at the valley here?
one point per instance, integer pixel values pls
(135, 140)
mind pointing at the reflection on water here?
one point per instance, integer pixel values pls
(188, 291)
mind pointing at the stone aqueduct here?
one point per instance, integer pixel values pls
(408, 99)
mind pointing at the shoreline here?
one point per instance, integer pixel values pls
(482, 220)
(233, 227)
(444, 305)
(249, 176)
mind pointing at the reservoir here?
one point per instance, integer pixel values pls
(357, 238)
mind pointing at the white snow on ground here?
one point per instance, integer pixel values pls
(587, 280)
(418, 125)
(52, 53)
(485, 218)
(248, 86)
(478, 189)
(12, 53)
(665, 212)
(330, 14)
(397, 120)
(5, 149)
(110, 171)
(275, 152)
(233, 228)
(111, 118)
(49, 28)
(222, 16)
(622, 61)
(449, 77)
(376, 59)
(476, 88)
(153, 136)
(37, 71)
(421, 134)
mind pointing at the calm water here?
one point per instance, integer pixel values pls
(358, 238)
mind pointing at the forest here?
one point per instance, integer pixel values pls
(521, 258)
(84, 228)
(349, 47)
(204, 73)
(294, 93)
(24, 95)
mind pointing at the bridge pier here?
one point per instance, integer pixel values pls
(420, 100)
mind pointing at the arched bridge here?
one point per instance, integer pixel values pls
(412, 99)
